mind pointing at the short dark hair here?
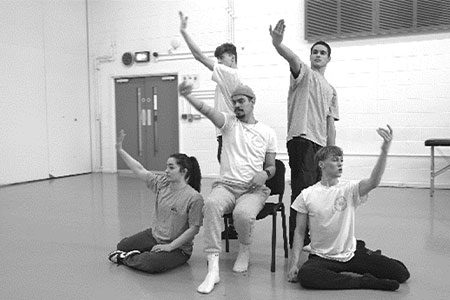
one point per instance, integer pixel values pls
(326, 152)
(226, 48)
(323, 44)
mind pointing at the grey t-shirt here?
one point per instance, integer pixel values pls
(175, 211)
(310, 100)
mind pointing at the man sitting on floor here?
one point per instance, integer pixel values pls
(329, 209)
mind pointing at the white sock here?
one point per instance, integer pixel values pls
(241, 264)
(213, 274)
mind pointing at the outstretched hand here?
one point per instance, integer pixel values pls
(185, 88)
(120, 139)
(183, 21)
(387, 135)
(278, 32)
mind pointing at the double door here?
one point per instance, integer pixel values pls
(147, 109)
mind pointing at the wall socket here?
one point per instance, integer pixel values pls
(192, 79)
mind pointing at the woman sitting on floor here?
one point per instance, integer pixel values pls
(178, 215)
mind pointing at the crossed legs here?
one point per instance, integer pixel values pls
(147, 261)
(379, 272)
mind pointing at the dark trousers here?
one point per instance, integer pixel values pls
(304, 173)
(321, 273)
(146, 261)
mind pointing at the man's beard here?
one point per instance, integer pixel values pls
(239, 114)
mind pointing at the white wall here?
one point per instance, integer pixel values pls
(117, 27)
(402, 81)
(45, 124)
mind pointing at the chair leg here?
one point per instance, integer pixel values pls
(274, 240)
(432, 174)
(227, 241)
(285, 242)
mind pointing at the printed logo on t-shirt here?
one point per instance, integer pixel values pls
(257, 142)
(340, 204)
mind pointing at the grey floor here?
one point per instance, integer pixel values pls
(55, 236)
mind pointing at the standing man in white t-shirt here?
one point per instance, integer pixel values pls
(248, 160)
(225, 73)
(329, 208)
(312, 110)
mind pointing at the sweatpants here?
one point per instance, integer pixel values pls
(146, 261)
(243, 202)
(321, 273)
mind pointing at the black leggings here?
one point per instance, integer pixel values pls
(321, 273)
(147, 261)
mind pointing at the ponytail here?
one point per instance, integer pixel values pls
(193, 173)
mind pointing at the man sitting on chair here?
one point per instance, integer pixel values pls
(248, 160)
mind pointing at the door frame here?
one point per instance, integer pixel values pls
(112, 120)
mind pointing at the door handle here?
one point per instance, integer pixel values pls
(149, 117)
(141, 121)
(155, 120)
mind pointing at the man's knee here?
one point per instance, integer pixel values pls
(402, 274)
(210, 205)
(241, 215)
(306, 277)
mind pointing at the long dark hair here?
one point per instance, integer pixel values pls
(193, 174)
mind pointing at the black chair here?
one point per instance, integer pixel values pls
(276, 185)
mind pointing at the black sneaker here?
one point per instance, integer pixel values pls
(115, 256)
(118, 256)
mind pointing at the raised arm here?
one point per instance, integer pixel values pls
(297, 246)
(331, 131)
(366, 185)
(277, 35)
(217, 118)
(133, 164)
(195, 50)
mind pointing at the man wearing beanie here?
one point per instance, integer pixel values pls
(248, 160)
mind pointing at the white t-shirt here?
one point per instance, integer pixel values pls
(244, 149)
(311, 99)
(227, 80)
(331, 215)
